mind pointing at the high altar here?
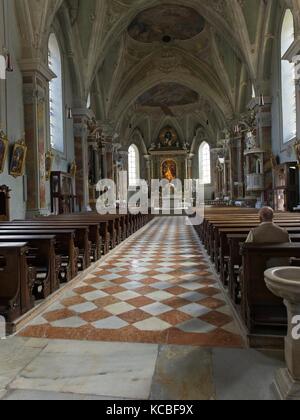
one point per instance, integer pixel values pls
(170, 159)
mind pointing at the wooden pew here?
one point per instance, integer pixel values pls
(64, 247)
(109, 227)
(213, 230)
(237, 217)
(94, 236)
(216, 239)
(120, 226)
(235, 262)
(42, 257)
(223, 250)
(81, 237)
(16, 281)
(262, 312)
(84, 238)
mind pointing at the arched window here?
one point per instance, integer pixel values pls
(56, 95)
(133, 165)
(89, 101)
(288, 88)
(204, 164)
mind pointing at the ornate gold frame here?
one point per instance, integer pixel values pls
(163, 133)
(4, 141)
(165, 160)
(20, 145)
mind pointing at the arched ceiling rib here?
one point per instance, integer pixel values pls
(218, 57)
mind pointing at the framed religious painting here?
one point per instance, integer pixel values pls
(3, 150)
(168, 137)
(18, 159)
(169, 170)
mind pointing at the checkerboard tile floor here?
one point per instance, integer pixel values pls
(156, 288)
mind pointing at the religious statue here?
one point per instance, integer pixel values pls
(168, 138)
(250, 140)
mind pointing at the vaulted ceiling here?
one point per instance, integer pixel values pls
(152, 62)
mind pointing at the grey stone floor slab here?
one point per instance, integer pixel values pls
(3, 392)
(104, 369)
(52, 396)
(38, 369)
(245, 374)
(15, 355)
(183, 373)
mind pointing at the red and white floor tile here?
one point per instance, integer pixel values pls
(155, 288)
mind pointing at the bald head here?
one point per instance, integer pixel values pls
(266, 214)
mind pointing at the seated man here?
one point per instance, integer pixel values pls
(269, 233)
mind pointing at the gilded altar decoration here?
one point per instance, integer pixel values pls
(169, 170)
(49, 157)
(168, 137)
(18, 160)
(3, 150)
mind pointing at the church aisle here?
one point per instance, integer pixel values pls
(155, 288)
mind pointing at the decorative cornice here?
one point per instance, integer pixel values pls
(38, 66)
(293, 51)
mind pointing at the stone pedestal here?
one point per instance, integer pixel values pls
(286, 387)
(288, 380)
(285, 282)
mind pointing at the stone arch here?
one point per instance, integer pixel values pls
(201, 136)
(136, 137)
(192, 82)
(168, 121)
(210, 14)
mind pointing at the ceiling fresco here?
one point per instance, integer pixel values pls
(118, 49)
(166, 23)
(168, 94)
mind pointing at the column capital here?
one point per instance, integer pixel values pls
(36, 65)
(83, 113)
(292, 53)
(108, 129)
(123, 152)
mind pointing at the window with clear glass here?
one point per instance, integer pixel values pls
(133, 165)
(89, 101)
(56, 95)
(288, 87)
(204, 164)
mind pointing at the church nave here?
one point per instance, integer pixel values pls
(157, 287)
(148, 322)
(149, 200)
